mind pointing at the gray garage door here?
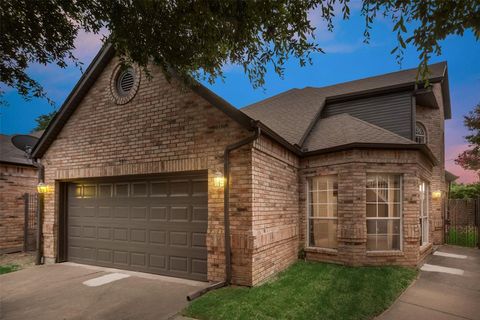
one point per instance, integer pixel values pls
(155, 225)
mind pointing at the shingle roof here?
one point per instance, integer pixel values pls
(9, 153)
(290, 114)
(344, 129)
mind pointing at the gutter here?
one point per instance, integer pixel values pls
(226, 215)
(226, 197)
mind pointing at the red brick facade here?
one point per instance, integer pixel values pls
(166, 128)
(15, 181)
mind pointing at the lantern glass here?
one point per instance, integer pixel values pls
(42, 188)
(218, 180)
(436, 194)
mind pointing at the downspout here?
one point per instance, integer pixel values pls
(226, 197)
(226, 207)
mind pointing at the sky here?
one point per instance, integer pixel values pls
(347, 58)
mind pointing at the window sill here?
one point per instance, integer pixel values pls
(425, 247)
(394, 253)
(321, 250)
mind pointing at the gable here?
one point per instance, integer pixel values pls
(163, 121)
(89, 79)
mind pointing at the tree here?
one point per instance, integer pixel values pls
(465, 191)
(43, 121)
(198, 38)
(470, 159)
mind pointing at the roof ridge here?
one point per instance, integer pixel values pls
(444, 62)
(255, 104)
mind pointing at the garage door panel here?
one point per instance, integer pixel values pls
(153, 225)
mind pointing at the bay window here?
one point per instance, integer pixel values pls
(384, 212)
(322, 211)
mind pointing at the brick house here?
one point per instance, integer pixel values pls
(17, 176)
(343, 174)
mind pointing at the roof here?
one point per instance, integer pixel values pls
(344, 129)
(291, 113)
(450, 177)
(288, 118)
(10, 154)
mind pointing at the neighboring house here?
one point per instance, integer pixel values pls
(17, 177)
(345, 173)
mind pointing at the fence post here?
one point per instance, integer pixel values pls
(477, 221)
(25, 222)
(38, 258)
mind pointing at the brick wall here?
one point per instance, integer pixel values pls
(14, 182)
(433, 120)
(352, 168)
(275, 209)
(165, 128)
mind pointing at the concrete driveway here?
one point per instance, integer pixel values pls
(448, 288)
(70, 291)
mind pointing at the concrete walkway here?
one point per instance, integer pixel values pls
(70, 291)
(448, 288)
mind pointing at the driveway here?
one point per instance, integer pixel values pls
(71, 291)
(448, 288)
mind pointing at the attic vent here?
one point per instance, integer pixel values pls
(125, 82)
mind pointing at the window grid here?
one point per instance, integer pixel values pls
(316, 187)
(424, 230)
(420, 133)
(388, 178)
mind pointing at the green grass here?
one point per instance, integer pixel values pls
(309, 290)
(463, 236)
(9, 268)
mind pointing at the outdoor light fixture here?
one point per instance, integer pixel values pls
(218, 179)
(42, 188)
(436, 194)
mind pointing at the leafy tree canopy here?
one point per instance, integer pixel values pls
(465, 191)
(43, 121)
(198, 38)
(470, 158)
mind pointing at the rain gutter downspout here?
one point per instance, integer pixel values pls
(226, 197)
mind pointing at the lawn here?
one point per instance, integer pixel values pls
(8, 268)
(309, 290)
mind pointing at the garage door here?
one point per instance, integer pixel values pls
(155, 225)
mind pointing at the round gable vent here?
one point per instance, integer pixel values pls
(124, 84)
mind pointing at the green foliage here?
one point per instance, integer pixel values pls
(309, 290)
(470, 159)
(43, 121)
(465, 191)
(198, 38)
(463, 236)
(9, 268)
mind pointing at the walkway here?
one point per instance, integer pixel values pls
(448, 288)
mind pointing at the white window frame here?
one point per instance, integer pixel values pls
(419, 125)
(400, 216)
(309, 209)
(424, 203)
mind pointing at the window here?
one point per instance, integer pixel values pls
(384, 211)
(322, 212)
(420, 133)
(423, 212)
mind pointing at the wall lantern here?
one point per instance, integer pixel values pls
(218, 179)
(42, 188)
(436, 194)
